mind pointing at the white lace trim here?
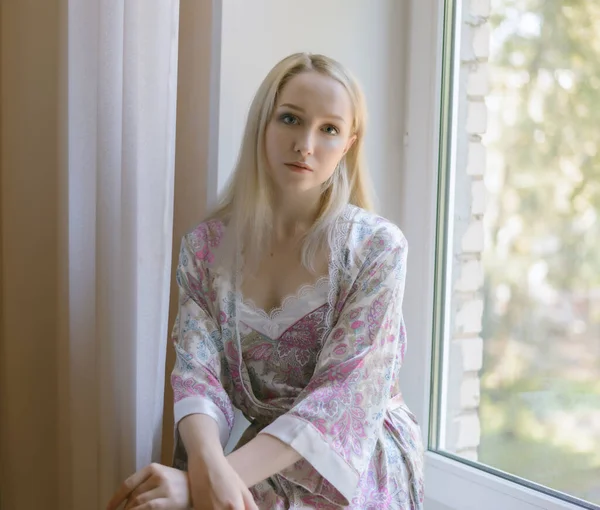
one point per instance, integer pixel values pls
(341, 230)
(293, 308)
(300, 295)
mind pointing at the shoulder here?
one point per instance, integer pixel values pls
(373, 235)
(204, 239)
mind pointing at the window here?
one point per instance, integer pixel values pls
(516, 356)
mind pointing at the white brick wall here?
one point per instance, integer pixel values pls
(463, 429)
(478, 196)
(476, 159)
(469, 392)
(471, 276)
(468, 318)
(478, 83)
(470, 432)
(472, 241)
(477, 118)
(481, 40)
(472, 355)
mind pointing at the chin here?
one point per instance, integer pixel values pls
(288, 176)
(296, 185)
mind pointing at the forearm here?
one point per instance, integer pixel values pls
(261, 458)
(200, 435)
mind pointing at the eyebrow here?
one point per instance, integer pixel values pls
(302, 110)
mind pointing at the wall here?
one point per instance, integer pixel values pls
(465, 354)
(368, 37)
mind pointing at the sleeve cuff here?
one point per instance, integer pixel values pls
(303, 437)
(202, 405)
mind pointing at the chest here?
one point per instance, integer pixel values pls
(279, 275)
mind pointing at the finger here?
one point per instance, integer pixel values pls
(128, 486)
(148, 485)
(153, 497)
(249, 503)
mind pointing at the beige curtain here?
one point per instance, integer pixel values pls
(197, 147)
(88, 147)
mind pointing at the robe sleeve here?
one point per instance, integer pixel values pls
(337, 420)
(199, 377)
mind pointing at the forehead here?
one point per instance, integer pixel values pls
(317, 94)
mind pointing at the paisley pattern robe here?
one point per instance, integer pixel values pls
(320, 373)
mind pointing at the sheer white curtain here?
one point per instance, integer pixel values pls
(119, 90)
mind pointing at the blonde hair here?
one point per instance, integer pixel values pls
(246, 203)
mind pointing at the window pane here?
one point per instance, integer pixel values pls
(520, 330)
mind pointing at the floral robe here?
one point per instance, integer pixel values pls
(320, 374)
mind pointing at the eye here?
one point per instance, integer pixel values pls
(288, 118)
(331, 130)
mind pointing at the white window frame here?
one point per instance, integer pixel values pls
(449, 484)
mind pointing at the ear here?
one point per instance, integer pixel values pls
(349, 144)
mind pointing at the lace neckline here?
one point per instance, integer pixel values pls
(341, 231)
(300, 294)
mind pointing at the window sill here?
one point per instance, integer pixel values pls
(451, 485)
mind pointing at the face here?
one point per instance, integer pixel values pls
(309, 133)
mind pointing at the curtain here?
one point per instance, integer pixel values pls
(197, 147)
(91, 223)
(120, 78)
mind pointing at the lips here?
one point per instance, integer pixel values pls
(299, 167)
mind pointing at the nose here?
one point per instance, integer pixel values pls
(304, 142)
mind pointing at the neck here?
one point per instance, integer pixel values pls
(294, 215)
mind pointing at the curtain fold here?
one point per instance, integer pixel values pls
(197, 147)
(87, 191)
(121, 105)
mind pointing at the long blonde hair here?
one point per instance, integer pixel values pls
(246, 202)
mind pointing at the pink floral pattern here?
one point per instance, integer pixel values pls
(183, 388)
(291, 357)
(334, 370)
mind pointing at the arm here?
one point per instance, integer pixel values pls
(203, 411)
(274, 457)
(213, 482)
(200, 435)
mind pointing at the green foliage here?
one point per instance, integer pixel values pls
(542, 281)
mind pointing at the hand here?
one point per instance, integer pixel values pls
(216, 486)
(154, 487)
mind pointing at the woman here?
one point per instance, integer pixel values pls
(290, 310)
